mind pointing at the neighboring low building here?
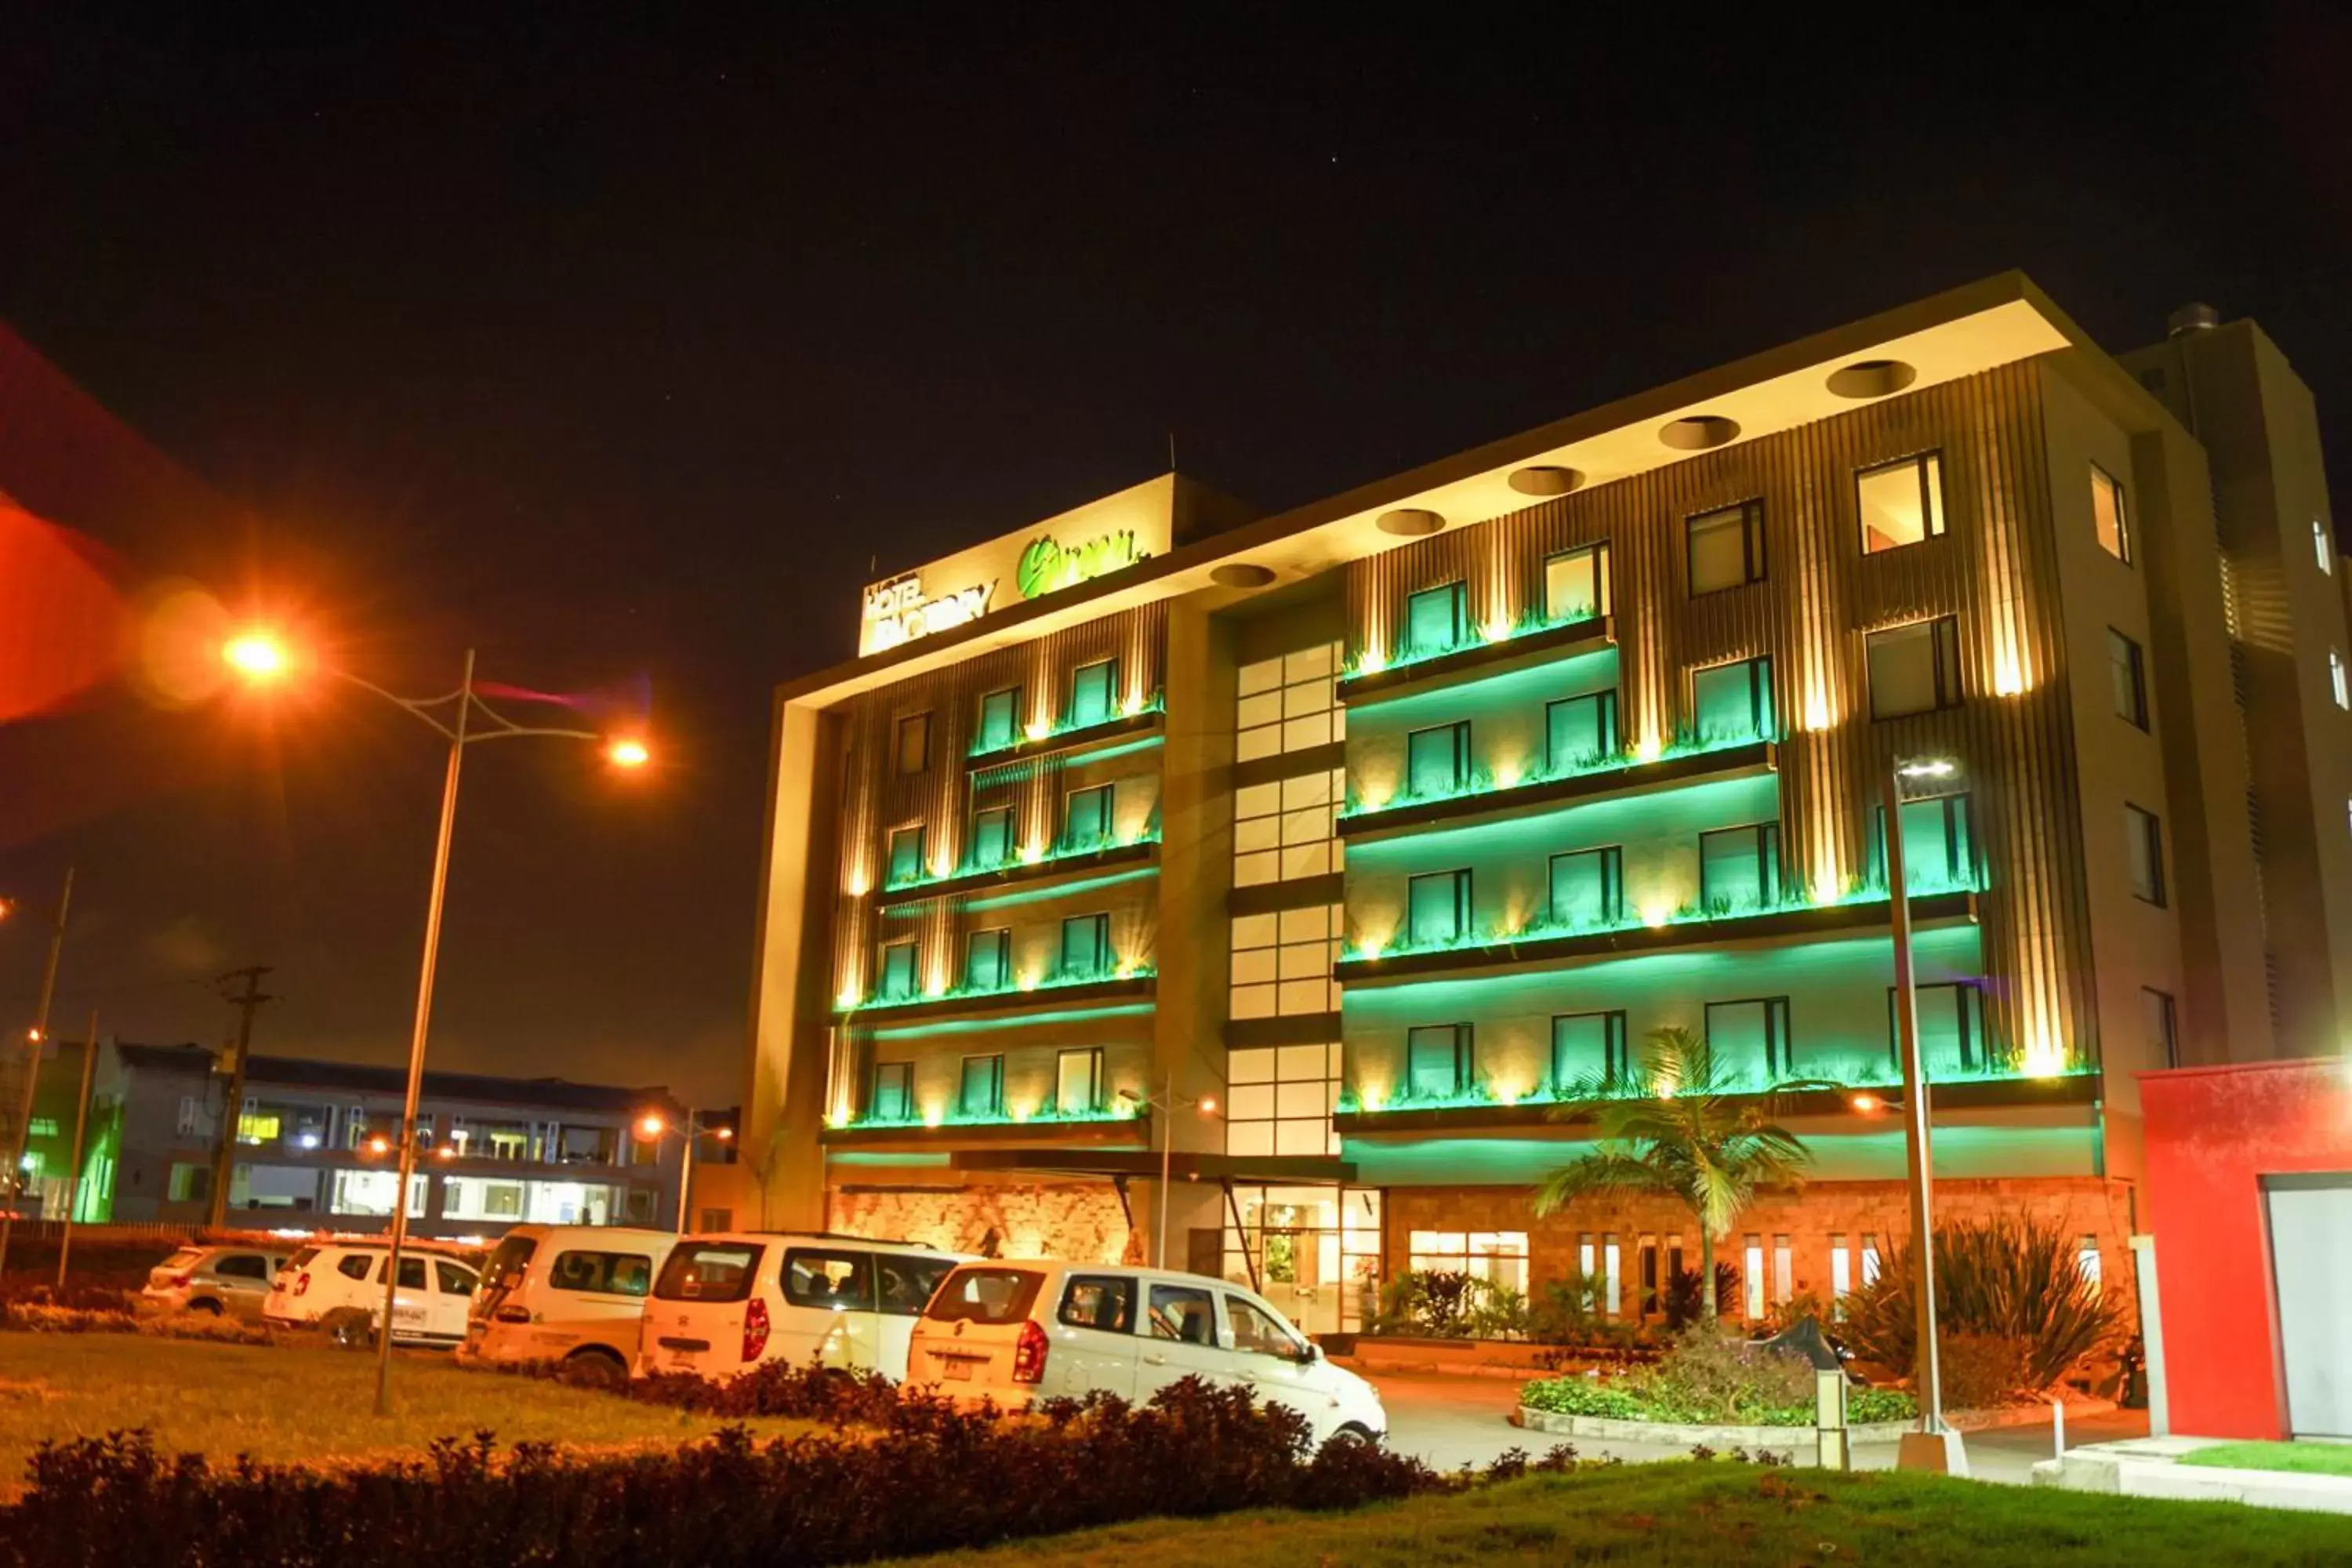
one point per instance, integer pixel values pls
(313, 1145)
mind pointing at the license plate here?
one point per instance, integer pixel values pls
(685, 1359)
(960, 1371)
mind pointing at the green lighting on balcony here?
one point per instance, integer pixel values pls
(1041, 987)
(1046, 735)
(1490, 782)
(1043, 1117)
(996, 1021)
(1031, 858)
(1372, 661)
(1855, 1071)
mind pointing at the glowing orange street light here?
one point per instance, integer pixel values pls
(1868, 1103)
(256, 655)
(651, 1126)
(628, 753)
(379, 1144)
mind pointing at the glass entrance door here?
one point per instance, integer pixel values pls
(1317, 1252)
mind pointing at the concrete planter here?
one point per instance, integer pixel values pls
(1612, 1429)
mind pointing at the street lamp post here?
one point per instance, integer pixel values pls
(1167, 1102)
(651, 1127)
(260, 657)
(1935, 1447)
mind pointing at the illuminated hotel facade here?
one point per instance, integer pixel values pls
(1384, 824)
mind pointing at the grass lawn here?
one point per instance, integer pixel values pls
(1713, 1514)
(296, 1402)
(2302, 1459)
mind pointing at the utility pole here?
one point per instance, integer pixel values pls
(232, 1107)
(34, 1042)
(81, 1130)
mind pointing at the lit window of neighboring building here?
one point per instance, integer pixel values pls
(2336, 686)
(2107, 514)
(1739, 868)
(1576, 584)
(1286, 704)
(1437, 908)
(1733, 701)
(1901, 503)
(1588, 887)
(2144, 843)
(1279, 1099)
(1588, 1048)
(992, 837)
(914, 743)
(1914, 669)
(906, 855)
(1726, 547)
(1094, 693)
(1951, 1027)
(1438, 1060)
(1746, 1034)
(1497, 1257)
(1282, 962)
(1086, 817)
(1580, 731)
(898, 971)
(999, 720)
(893, 1095)
(1077, 1082)
(981, 1090)
(1936, 850)
(1085, 946)
(2323, 549)
(2128, 679)
(1286, 829)
(1437, 620)
(988, 960)
(1437, 759)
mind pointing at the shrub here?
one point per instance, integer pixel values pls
(1450, 1305)
(1683, 1302)
(2004, 1279)
(1563, 1314)
(40, 1317)
(1712, 1379)
(1497, 1312)
(1980, 1371)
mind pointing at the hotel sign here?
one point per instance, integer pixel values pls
(1060, 553)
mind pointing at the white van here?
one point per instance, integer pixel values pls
(1015, 1332)
(726, 1303)
(568, 1293)
(337, 1286)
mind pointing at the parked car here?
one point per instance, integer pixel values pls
(221, 1281)
(1013, 1332)
(729, 1302)
(337, 1286)
(568, 1293)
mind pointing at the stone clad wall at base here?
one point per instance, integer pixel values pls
(1078, 1220)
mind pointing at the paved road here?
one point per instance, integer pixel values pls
(1453, 1420)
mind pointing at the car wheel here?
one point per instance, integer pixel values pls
(348, 1328)
(593, 1369)
(209, 1308)
(1358, 1430)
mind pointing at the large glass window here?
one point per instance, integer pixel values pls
(992, 837)
(999, 720)
(1437, 760)
(1279, 1099)
(1588, 887)
(913, 743)
(1282, 962)
(1751, 1035)
(2144, 845)
(1580, 731)
(2161, 1026)
(906, 855)
(1437, 620)
(1576, 584)
(1901, 502)
(980, 1089)
(1437, 1060)
(1739, 869)
(1437, 908)
(2107, 514)
(988, 960)
(1733, 701)
(831, 1282)
(1079, 1082)
(1498, 1256)
(2126, 678)
(1937, 848)
(1951, 1028)
(1914, 669)
(1287, 704)
(1085, 946)
(893, 1096)
(898, 971)
(1585, 1048)
(1727, 548)
(1094, 693)
(1285, 829)
(1086, 817)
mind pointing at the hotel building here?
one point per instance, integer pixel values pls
(1314, 858)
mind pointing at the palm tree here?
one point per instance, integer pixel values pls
(1701, 1137)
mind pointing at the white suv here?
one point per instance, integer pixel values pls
(1015, 1332)
(339, 1286)
(727, 1303)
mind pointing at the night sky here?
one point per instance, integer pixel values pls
(628, 351)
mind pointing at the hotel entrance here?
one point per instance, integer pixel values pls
(1313, 1251)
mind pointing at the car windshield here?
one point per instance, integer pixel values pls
(709, 1272)
(985, 1293)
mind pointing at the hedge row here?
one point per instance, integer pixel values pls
(929, 1479)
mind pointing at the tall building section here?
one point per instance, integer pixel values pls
(1314, 859)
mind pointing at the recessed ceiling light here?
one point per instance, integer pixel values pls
(1545, 481)
(1700, 432)
(1240, 574)
(1872, 378)
(1410, 521)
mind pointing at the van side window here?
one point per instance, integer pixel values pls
(1181, 1314)
(1256, 1332)
(605, 1273)
(412, 1274)
(1099, 1301)
(452, 1279)
(242, 1265)
(830, 1281)
(907, 1283)
(358, 1266)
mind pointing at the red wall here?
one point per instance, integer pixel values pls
(2212, 1134)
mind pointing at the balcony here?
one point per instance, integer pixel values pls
(1045, 868)
(1139, 721)
(1486, 797)
(1117, 1126)
(1054, 991)
(1373, 679)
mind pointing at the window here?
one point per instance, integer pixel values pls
(1733, 701)
(1580, 731)
(1078, 1082)
(189, 1109)
(1937, 848)
(243, 1266)
(1749, 1033)
(1586, 1046)
(1086, 817)
(2159, 1023)
(1104, 1302)
(1437, 760)
(1094, 693)
(905, 1283)
(988, 960)
(1784, 1272)
(1588, 887)
(2336, 682)
(906, 855)
(893, 1095)
(2126, 678)
(1497, 1257)
(1752, 1275)
(999, 720)
(976, 1293)
(2144, 844)
(2086, 1261)
(1285, 830)
(412, 1274)
(1437, 620)
(358, 1266)
(1437, 1060)
(1951, 1028)
(1287, 704)
(1914, 669)
(1840, 1269)
(2323, 549)
(913, 743)
(1181, 1314)
(1901, 503)
(1870, 1259)
(1576, 584)
(898, 971)
(1085, 945)
(602, 1273)
(833, 1281)
(1727, 548)
(258, 1125)
(709, 1272)
(1437, 908)
(992, 837)
(1282, 962)
(190, 1183)
(2107, 514)
(1255, 1333)
(1279, 1099)
(1739, 868)
(981, 1091)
